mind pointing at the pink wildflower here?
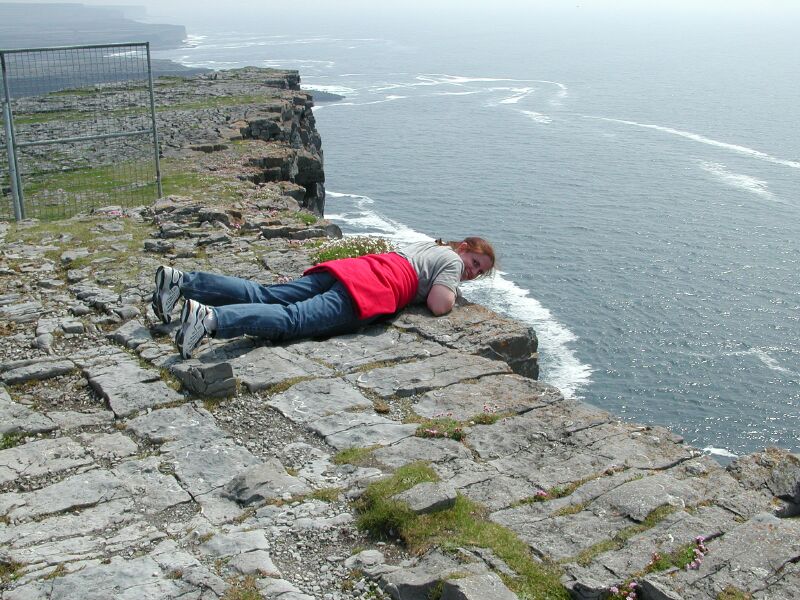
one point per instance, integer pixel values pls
(613, 589)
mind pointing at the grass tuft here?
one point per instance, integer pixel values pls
(243, 589)
(351, 247)
(10, 440)
(465, 524)
(355, 456)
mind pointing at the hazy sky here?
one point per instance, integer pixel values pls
(442, 6)
(364, 17)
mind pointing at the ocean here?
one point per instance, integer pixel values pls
(637, 171)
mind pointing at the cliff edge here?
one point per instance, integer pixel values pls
(417, 459)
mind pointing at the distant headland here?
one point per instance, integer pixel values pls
(51, 24)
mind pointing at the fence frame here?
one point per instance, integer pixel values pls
(8, 119)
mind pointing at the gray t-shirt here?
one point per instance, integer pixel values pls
(435, 265)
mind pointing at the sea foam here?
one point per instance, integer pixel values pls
(750, 184)
(705, 140)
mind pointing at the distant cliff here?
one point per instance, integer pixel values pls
(38, 25)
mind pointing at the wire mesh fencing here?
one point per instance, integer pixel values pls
(79, 130)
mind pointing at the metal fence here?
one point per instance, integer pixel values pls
(79, 130)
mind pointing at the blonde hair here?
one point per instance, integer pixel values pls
(474, 244)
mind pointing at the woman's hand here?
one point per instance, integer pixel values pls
(441, 299)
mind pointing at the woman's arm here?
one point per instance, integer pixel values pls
(441, 299)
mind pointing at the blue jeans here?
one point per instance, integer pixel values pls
(314, 305)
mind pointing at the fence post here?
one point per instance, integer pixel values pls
(153, 117)
(13, 172)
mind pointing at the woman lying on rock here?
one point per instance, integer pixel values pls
(331, 298)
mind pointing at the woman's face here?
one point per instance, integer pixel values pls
(475, 264)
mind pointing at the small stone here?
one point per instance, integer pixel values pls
(428, 497)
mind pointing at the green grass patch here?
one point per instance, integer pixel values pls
(680, 557)
(9, 571)
(351, 247)
(442, 427)
(10, 440)
(355, 456)
(572, 509)
(217, 102)
(326, 494)
(306, 217)
(465, 524)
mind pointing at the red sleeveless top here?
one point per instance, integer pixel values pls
(379, 284)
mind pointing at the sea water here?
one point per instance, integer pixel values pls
(637, 172)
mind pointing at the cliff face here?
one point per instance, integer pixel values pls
(270, 109)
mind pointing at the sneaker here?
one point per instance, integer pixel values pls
(167, 292)
(193, 327)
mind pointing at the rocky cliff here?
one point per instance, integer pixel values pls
(417, 459)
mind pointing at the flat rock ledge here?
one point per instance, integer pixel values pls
(128, 472)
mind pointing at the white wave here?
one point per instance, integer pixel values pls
(537, 117)
(562, 93)
(769, 362)
(296, 63)
(564, 370)
(520, 93)
(332, 89)
(719, 452)
(456, 93)
(705, 140)
(737, 180)
(386, 99)
(356, 197)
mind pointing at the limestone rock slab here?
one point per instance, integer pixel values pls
(128, 388)
(413, 449)
(18, 418)
(223, 545)
(381, 433)
(310, 400)
(75, 492)
(187, 422)
(150, 488)
(371, 346)
(638, 498)
(209, 465)
(264, 482)
(477, 587)
(132, 334)
(265, 367)
(499, 492)
(35, 370)
(205, 377)
(634, 446)
(408, 379)
(428, 497)
(135, 579)
(42, 457)
(472, 328)
(500, 394)
(758, 557)
(24, 312)
(559, 537)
